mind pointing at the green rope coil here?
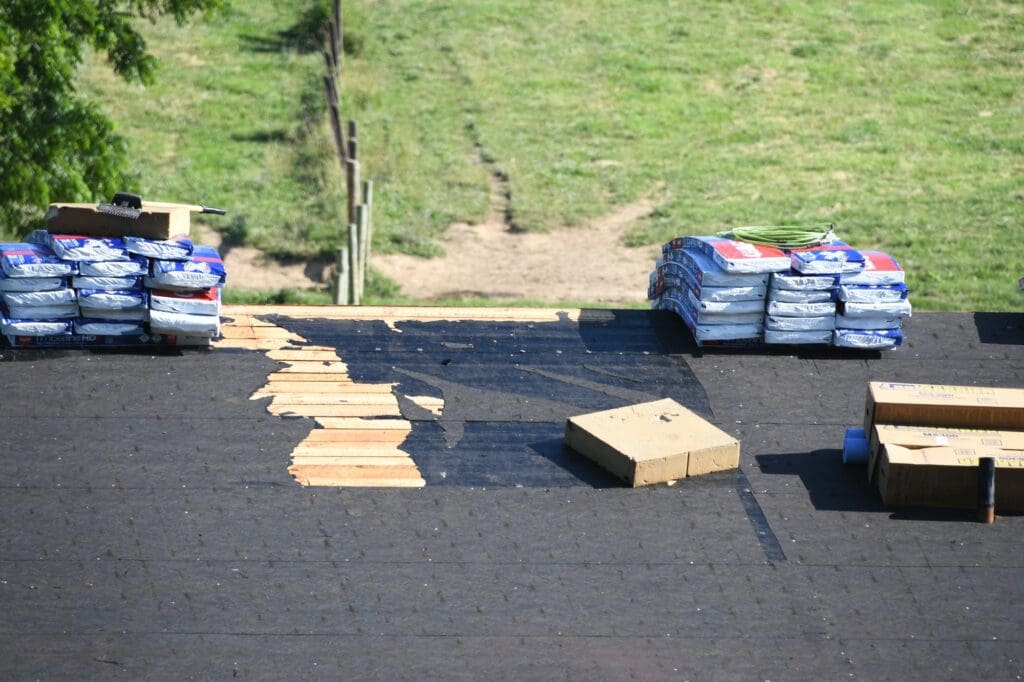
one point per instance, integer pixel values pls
(782, 236)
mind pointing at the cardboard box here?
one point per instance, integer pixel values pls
(157, 221)
(948, 477)
(652, 442)
(938, 405)
(932, 436)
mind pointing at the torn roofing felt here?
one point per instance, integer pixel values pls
(508, 387)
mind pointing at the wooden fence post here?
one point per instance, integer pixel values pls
(341, 272)
(353, 264)
(367, 243)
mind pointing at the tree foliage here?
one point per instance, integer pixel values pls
(55, 145)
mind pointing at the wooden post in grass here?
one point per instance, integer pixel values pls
(361, 227)
(353, 264)
(339, 41)
(341, 272)
(368, 214)
(334, 119)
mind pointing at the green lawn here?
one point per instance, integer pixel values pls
(900, 122)
(235, 120)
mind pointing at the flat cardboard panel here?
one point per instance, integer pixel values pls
(932, 436)
(157, 221)
(652, 442)
(940, 405)
(948, 477)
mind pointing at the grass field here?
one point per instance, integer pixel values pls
(899, 122)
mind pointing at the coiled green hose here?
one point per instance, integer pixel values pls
(782, 236)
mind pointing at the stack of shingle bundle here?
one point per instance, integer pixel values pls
(109, 290)
(717, 286)
(35, 290)
(184, 286)
(801, 301)
(872, 304)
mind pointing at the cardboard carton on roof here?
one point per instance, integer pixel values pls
(158, 220)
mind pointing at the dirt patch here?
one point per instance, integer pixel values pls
(250, 270)
(489, 260)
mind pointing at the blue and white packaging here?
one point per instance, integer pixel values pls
(39, 298)
(736, 256)
(94, 327)
(727, 327)
(108, 283)
(163, 322)
(801, 295)
(878, 339)
(197, 303)
(892, 322)
(33, 260)
(783, 309)
(60, 311)
(135, 266)
(179, 248)
(204, 270)
(857, 293)
(727, 305)
(112, 315)
(78, 248)
(890, 309)
(101, 299)
(798, 282)
(799, 324)
(818, 336)
(879, 268)
(31, 283)
(16, 327)
(704, 271)
(827, 259)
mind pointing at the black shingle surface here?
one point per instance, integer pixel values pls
(149, 529)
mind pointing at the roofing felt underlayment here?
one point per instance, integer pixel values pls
(150, 528)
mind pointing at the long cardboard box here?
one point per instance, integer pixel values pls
(948, 477)
(940, 405)
(158, 220)
(936, 436)
(652, 442)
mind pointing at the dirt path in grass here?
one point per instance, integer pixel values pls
(488, 260)
(249, 270)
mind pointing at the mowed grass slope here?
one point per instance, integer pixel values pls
(234, 119)
(900, 122)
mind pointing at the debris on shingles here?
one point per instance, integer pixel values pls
(653, 442)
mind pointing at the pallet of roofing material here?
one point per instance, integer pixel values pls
(194, 303)
(916, 437)
(164, 322)
(134, 266)
(868, 339)
(177, 248)
(948, 477)
(72, 340)
(652, 442)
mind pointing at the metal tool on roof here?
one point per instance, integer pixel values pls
(128, 205)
